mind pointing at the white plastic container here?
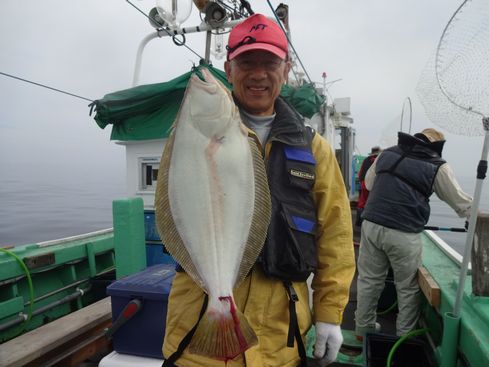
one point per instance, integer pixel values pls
(115, 359)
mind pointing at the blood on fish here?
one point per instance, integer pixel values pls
(223, 334)
(232, 309)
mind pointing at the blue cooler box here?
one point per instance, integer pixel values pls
(143, 333)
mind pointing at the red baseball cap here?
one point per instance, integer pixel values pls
(257, 32)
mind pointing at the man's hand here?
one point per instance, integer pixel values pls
(328, 343)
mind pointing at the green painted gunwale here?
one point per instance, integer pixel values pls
(474, 326)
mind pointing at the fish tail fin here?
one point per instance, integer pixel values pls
(223, 335)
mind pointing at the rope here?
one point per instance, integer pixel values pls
(45, 86)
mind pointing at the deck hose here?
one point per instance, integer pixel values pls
(29, 281)
(388, 309)
(401, 340)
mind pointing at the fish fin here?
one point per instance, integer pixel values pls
(164, 221)
(261, 214)
(223, 335)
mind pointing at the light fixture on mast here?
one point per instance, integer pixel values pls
(174, 12)
(215, 14)
(155, 20)
(282, 12)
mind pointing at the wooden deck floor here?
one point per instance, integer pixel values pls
(68, 341)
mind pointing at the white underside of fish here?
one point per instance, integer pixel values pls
(211, 192)
(213, 210)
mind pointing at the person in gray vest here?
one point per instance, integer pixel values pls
(401, 181)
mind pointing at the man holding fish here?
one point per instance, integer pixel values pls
(250, 203)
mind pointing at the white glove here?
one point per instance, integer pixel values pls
(328, 343)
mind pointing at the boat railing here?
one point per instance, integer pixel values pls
(76, 238)
(446, 249)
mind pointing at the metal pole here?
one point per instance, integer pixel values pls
(207, 56)
(410, 114)
(139, 56)
(170, 33)
(447, 352)
(68, 298)
(481, 174)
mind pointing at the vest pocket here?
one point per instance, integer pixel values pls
(300, 175)
(299, 256)
(300, 166)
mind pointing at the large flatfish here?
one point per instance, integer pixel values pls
(213, 209)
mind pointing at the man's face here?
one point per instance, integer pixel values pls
(257, 77)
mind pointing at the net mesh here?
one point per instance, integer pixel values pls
(453, 87)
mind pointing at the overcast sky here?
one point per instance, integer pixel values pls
(87, 47)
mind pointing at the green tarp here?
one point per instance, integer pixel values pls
(305, 98)
(148, 111)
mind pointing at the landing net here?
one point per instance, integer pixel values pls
(453, 87)
(456, 96)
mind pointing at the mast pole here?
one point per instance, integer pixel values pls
(207, 55)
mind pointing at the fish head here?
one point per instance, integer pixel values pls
(211, 106)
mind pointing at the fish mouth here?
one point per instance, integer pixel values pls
(208, 84)
(210, 104)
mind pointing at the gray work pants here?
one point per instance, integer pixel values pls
(381, 247)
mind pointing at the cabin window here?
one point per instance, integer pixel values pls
(149, 173)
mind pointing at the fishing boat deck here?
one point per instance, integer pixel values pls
(473, 338)
(387, 320)
(351, 351)
(68, 341)
(438, 279)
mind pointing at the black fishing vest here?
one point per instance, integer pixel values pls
(290, 251)
(404, 180)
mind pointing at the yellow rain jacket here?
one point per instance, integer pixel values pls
(264, 301)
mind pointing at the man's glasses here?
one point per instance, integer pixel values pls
(246, 64)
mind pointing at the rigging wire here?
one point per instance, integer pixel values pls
(290, 42)
(45, 86)
(178, 42)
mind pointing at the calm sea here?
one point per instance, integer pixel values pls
(443, 216)
(41, 208)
